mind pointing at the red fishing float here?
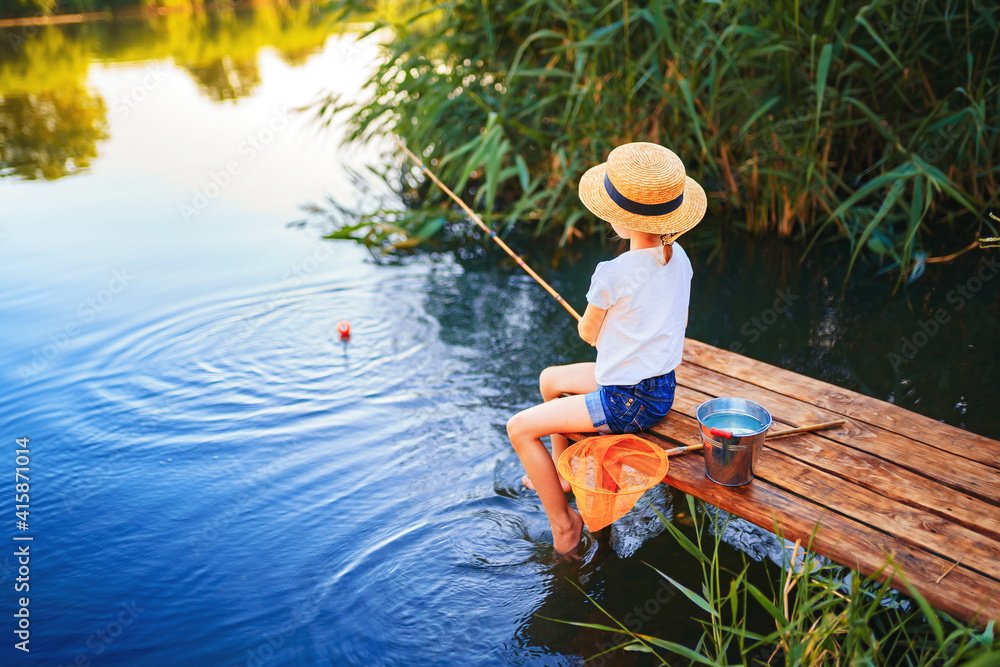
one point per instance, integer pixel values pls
(344, 329)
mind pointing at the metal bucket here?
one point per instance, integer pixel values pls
(732, 432)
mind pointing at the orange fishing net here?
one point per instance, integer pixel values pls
(609, 473)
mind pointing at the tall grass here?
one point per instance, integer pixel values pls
(823, 614)
(874, 123)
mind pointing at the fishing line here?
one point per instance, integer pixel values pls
(475, 218)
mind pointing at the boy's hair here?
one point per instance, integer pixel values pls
(665, 239)
(668, 247)
(668, 252)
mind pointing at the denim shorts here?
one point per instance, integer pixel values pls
(631, 408)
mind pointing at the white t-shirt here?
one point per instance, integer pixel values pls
(647, 303)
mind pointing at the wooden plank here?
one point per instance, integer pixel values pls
(833, 451)
(960, 593)
(845, 402)
(918, 528)
(968, 476)
(928, 531)
(893, 482)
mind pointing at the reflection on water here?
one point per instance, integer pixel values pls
(50, 134)
(207, 453)
(225, 79)
(52, 122)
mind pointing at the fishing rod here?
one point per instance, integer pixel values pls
(493, 235)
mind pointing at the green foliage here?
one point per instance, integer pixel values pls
(872, 122)
(823, 614)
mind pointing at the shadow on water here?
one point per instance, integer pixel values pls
(757, 297)
(930, 347)
(618, 577)
(506, 330)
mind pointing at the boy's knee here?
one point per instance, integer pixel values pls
(547, 382)
(516, 427)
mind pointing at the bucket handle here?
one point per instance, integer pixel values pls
(719, 433)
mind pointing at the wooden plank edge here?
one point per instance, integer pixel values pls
(847, 402)
(828, 452)
(953, 589)
(962, 593)
(970, 477)
(924, 530)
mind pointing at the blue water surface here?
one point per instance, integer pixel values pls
(215, 477)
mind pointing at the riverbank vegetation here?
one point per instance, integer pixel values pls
(821, 614)
(871, 124)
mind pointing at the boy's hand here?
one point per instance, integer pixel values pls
(590, 324)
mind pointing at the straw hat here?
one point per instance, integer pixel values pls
(643, 187)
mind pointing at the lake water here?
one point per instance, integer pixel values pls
(217, 479)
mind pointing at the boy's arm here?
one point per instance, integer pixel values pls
(590, 324)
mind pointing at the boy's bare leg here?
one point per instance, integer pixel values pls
(553, 383)
(525, 429)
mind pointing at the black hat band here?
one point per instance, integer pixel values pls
(639, 208)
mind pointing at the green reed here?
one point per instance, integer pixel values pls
(823, 614)
(870, 123)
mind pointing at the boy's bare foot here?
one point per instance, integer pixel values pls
(562, 482)
(566, 539)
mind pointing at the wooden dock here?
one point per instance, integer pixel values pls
(890, 482)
